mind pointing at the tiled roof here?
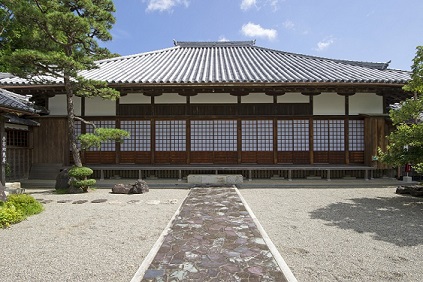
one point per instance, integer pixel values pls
(11, 102)
(234, 62)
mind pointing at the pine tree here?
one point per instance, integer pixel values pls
(53, 40)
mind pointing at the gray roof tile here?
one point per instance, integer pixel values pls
(234, 62)
(11, 102)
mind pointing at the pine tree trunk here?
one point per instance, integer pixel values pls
(71, 122)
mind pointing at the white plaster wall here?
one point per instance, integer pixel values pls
(135, 98)
(213, 98)
(329, 104)
(57, 105)
(293, 98)
(170, 98)
(257, 98)
(97, 106)
(366, 103)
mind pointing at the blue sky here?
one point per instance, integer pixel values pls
(363, 30)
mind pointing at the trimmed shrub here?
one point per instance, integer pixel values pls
(80, 172)
(79, 179)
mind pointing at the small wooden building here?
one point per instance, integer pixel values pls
(15, 127)
(227, 104)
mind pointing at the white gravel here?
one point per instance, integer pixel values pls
(343, 234)
(323, 234)
(86, 242)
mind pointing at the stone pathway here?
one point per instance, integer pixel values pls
(213, 238)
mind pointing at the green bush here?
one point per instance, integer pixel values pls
(80, 182)
(25, 203)
(17, 208)
(9, 215)
(85, 183)
(80, 172)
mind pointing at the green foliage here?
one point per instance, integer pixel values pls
(94, 88)
(80, 180)
(100, 135)
(416, 82)
(17, 208)
(84, 184)
(9, 215)
(406, 142)
(25, 203)
(80, 172)
(44, 40)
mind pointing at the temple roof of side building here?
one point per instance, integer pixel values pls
(14, 103)
(233, 62)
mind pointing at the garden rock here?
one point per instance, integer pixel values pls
(62, 180)
(413, 190)
(140, 187)
(121, 189)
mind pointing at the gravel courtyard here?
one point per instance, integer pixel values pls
(342, 234)
(360, 234)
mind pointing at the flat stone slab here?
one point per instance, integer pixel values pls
(215, 178)
(213, 238)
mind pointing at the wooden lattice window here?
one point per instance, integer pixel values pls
(293, 135)
(217, 135)
(139, 139)
(328, 135)
(107, 145)
(356, 135)
(78, 132)
(17, 138)
(171, 135)
(225, 135)
(257, 135)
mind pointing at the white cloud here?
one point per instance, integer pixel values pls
(274, 4)
(288, 24)
(247, 4)
(165, 5)
(253, 30)
(324, 44)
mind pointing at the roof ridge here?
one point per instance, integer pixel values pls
(367, 64)
(135, 55)
(249, 43)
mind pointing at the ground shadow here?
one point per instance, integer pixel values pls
(397, 219)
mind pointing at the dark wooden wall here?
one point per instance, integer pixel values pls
(376, 130)
(50, 141)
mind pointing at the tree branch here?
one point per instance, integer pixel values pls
(85, 121)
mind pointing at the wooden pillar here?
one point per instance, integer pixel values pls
(239, 129)
(239, 140)
(311, 139)
(117, 144)
(275, 141)
(311, 95)
(347, 129)
(153, 107)
(153, 139)
(275, 130)
(310, 131)
(188, 140)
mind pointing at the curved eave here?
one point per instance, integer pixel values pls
(4, 109)
(118, 85)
